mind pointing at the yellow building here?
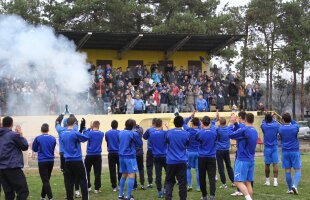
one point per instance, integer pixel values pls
(130, 49)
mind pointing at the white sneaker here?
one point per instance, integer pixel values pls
(236, 194)
(267, 183)
(224, 186)
(97, 191)
(275, 184)
(89, 189)
(295, 190)
(77, 194)
(114, 190)
(289, 192)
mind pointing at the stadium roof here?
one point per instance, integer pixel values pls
(150, 41)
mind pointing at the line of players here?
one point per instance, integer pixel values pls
(176, 150)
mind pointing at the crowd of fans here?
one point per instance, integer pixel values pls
(167, 90)
(139, 89)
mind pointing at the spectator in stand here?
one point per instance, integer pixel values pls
(202, 105)
(156, 76)
(171, 102)
(233, 93)
(164, 101)
(139, 105)
(249, 97)
(190, 99)
(220, 100)
(130, 102)
(180, 100)
(257, 94)
(242, 95)
(151, 105)
(156, 96)
(208, 96)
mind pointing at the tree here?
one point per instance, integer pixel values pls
(295, 30)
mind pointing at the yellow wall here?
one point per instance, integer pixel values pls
(179, 58)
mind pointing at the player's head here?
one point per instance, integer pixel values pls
(130, 124)
(71, 121)
(286, 117)
(158, 123)
(45, 128)
(114, 124)
(96, 124)
(222, 121)
(268, 118)
(242, 115)
(249, 118)
(154, 121)
(195, 121)
(178, 121)
(7, 122)
(206, 121)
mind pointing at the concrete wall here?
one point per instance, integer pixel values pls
(31, 124)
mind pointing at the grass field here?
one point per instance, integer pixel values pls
(260, 192)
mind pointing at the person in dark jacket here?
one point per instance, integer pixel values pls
(164, 100)
(12, 177)
(111, 137)
(233, 93)
(44, 145)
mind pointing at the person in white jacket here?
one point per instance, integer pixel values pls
(130, 102)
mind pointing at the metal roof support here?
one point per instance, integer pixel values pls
(222, 46)
(129, 46)
(176, 47)
(83, 40)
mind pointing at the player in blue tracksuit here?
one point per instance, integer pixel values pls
(127, 157)
(290, 151)
(159, 148)
(93, 154)
(241, 124)
(192, 150)
(222, 152)
(111, 137)
(60, 130)
(270, 129)
(177, 140)
(74, 166)
(245, 162)
(207, 157)
(44, 145)
(149, 154)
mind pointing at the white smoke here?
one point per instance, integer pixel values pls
(39, 68)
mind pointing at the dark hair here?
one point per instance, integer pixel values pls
(114, 124)
(129, 124)
(242, 115)
(178, 121)
(206, 121)
(45, 128)
(154, 121)
(249, 118)
(158, 123)
(222, 121)
(286, 117)
(195, 121)
(96, 124)
(71, 121)
(7, 122)
(268, 118)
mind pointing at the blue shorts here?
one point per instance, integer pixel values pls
(192, 159)
(291, 160)
(244, 171)
(271, 155)
(128, 165)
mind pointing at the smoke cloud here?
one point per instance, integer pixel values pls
(40, 71)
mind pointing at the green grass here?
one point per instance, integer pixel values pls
(260, 191)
